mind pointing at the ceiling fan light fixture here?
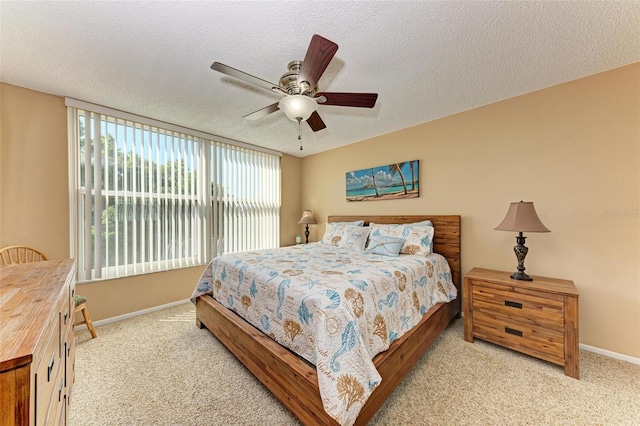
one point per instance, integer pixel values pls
(298, 107)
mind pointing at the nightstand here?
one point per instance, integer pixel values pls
(538, 318)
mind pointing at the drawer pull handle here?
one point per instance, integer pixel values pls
(50, 367)
(66, 315)
(60, 391)
(513, 331)
(513, 304)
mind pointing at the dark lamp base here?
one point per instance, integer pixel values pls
(521, 252)
(521, 276)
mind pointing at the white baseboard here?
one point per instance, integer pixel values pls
(589, 348)
(610, 354)
(134, 314)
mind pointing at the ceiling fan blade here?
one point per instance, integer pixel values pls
(263, 112)
(319, 54)
(248, 78)
(362, 100)
(315, 122)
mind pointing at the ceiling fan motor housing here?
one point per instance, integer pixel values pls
(289, 80)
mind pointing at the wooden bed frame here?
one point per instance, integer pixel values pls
(294, 381)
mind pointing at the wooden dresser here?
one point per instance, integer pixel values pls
(37, 342)
(538, 318)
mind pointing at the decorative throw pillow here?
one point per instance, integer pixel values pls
(428, 223)
(354, 238)
(354, 223)
(418, 243)
(419, 240)
(334, 230)
(391, 230)
(384, 244)
(424, 222)
(333, 233)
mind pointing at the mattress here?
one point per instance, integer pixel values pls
(334, 307)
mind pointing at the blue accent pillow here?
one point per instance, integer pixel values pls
(418, 235)
(385, 245)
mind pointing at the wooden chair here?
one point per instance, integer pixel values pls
(12, 255)
(81, 305)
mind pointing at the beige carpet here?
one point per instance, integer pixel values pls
(160, 369)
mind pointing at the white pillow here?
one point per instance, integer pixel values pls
(333, 233)
(334, 230)
(390, 230)
(419, 240)
(354, 238)
(354, 223)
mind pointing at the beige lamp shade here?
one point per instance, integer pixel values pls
(522, 217)
(307, 218)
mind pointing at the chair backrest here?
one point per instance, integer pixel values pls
(11, 255)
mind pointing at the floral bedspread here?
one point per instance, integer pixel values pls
(335, 308)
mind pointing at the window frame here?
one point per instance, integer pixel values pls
(215, 205)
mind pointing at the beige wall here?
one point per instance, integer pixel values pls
(34, 171)
(290, 193)
(573, 149)
(34, 202)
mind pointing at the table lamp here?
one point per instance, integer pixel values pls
(521, 217)
(307, 219)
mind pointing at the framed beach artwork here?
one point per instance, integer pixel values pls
(390, 182)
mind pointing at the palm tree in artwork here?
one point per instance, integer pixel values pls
(375, 187)
(413, 177)
(397, 168)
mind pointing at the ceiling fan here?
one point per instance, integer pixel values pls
(299, 87)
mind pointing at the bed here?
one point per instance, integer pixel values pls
(294, 380)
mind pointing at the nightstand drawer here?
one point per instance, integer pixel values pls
(530, 307)
(535, 340)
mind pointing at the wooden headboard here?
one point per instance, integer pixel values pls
(446, 240)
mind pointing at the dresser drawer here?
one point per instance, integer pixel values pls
(71, 366)
(534, 340)
(47, 375)
(57, 411)
(66, 317)
(527, 306)
(69, 356)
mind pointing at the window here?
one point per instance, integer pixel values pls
(149, 196)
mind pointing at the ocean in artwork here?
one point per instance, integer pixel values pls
(393, 181)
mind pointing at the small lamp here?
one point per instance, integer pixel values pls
(521, 217)
(307, 219)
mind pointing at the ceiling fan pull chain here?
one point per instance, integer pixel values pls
(300, 131)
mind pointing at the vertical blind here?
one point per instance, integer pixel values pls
(152, 198)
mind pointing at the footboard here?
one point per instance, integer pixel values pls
(294, 381)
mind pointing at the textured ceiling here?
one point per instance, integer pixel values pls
(425, 59)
